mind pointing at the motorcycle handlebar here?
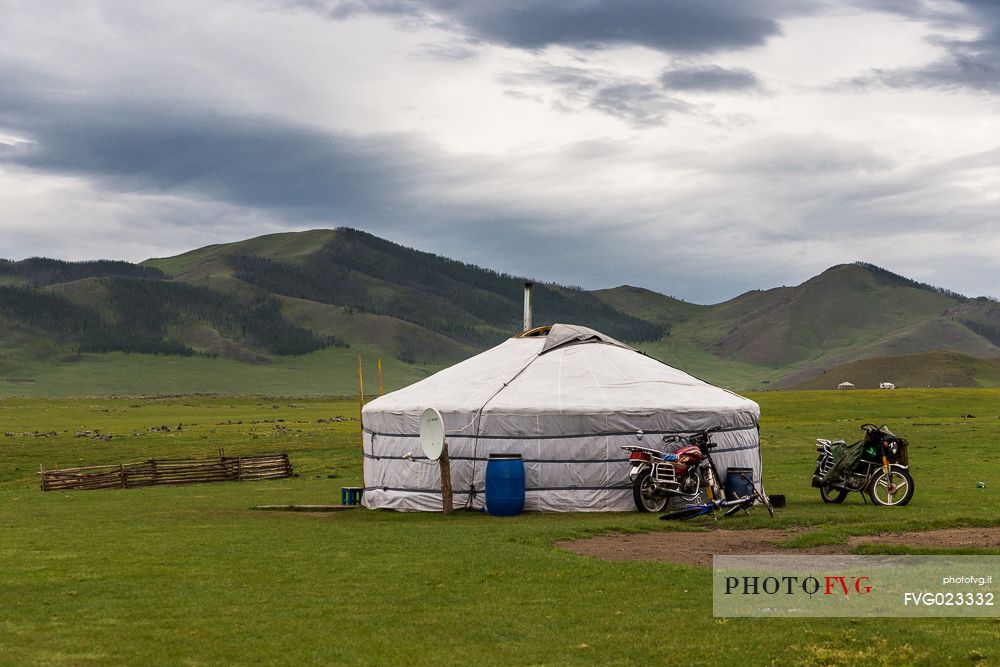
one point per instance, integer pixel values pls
(699, 438)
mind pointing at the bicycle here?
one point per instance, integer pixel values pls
(731, 507)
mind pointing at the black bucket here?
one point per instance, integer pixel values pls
(739, 482)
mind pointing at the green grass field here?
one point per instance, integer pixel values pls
(191, 576)
(326, 372)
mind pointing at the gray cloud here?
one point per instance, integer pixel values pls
(972, 64)
(798, 202)
(775, 210)
(810, 155)
(344, 9)
(455, 51)
(964, 68)
(129, 152)
(221, 176)
(710, 78)
(638, 103)
(265, 163)
(570, 80)
(769, 197)
(665, 25)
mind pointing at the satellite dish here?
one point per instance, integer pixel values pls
(432, 433)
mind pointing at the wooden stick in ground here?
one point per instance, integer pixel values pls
(380, 376)
(361, 402)
(446, 495)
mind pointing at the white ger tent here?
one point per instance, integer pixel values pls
(566, 401)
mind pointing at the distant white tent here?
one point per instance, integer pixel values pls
(845, 385)
(566, 401)
(886, 385)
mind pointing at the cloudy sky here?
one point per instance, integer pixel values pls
(696, 148)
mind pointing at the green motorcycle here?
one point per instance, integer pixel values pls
(877, 466)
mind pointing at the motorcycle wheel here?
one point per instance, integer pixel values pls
(832, 495)
(646, 500)
(902, 483)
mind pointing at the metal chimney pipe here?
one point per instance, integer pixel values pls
(527, 305)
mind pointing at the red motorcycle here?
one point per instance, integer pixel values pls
(682, 471)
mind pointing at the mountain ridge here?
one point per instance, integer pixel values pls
(331, 294)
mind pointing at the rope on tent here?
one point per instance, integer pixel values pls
(478, 420)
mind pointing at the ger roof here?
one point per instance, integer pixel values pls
(573, 369)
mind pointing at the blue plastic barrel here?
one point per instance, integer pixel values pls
(738, 482)
(505, 484)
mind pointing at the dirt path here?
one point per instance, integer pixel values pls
(697, 548)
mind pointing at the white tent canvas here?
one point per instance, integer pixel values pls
(566, 402)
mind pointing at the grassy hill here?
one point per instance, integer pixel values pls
(649, 305)
(293, 311)
(256, 314)
(844, 308)
(212, 259)
(368, 275)
(792, 336)
(930, 369)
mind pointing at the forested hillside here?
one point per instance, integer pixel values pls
(41, 271)
(465, 302)
(284, 295)
(327, 296)
(142, 312)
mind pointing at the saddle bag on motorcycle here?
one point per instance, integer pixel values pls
(844, 456)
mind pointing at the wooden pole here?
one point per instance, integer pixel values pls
(361, 402)
(446, 494)
(380, 376)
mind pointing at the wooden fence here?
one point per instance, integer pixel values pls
(168, 471)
